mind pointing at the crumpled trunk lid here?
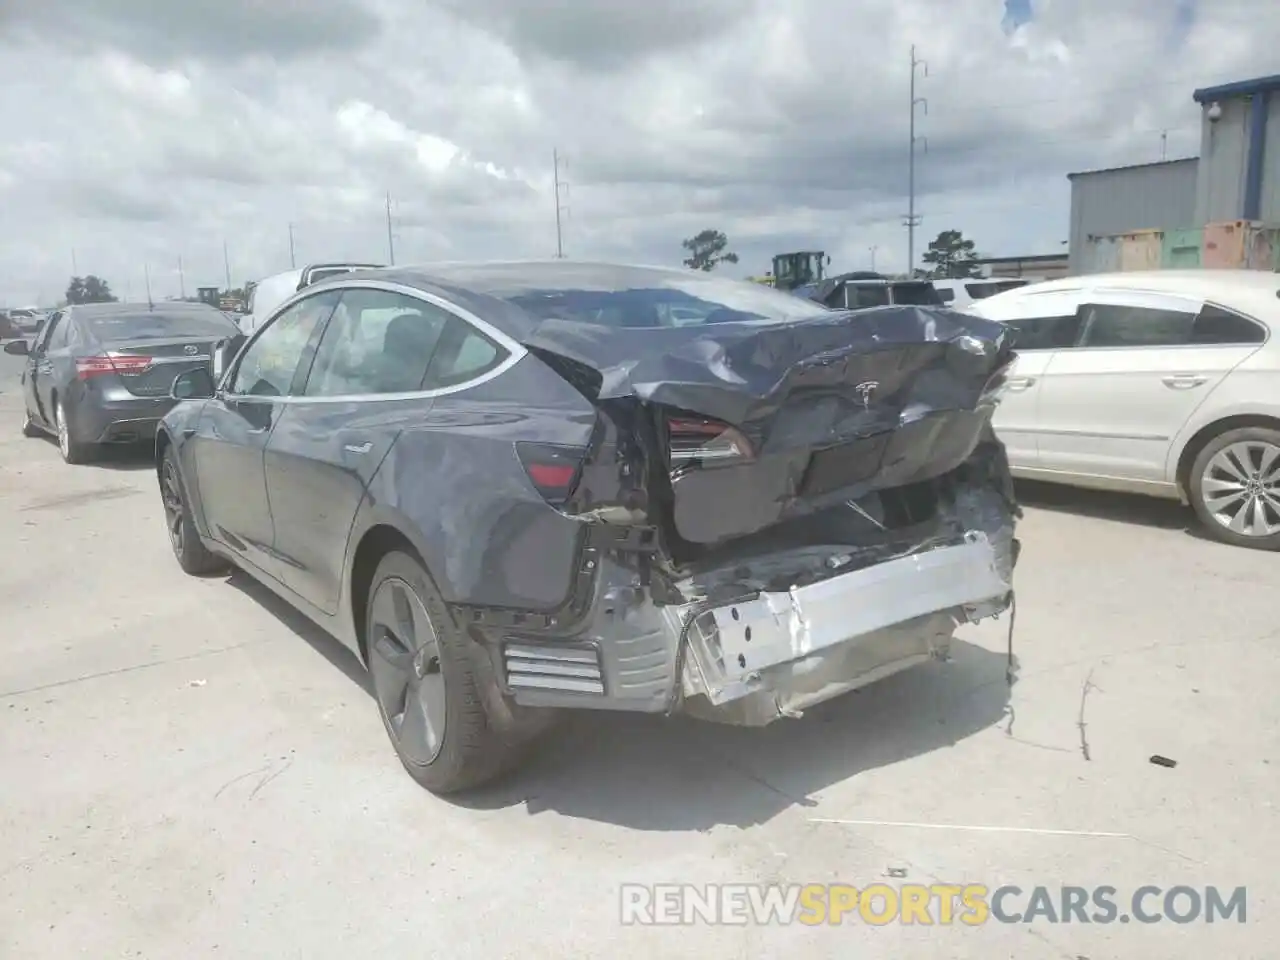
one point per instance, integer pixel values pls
(746, 425)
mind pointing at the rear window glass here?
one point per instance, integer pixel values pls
(698, 303)
(157, 326)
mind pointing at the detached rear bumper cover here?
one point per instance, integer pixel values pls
(778, 653)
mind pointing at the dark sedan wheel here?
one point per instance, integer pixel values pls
(426, 686)
(192, 555)
(73, 450)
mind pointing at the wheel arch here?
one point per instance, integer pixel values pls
(380, 538)
(1202, 437)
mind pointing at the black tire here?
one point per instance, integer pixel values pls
(1196, 492)
(192, 555)
(29, 428)
(73, 449)
(470, 751)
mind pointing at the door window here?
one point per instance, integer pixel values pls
(464, 354)
(1044, 333)
(1124, 325)
(1214, 325)
(858, 297)
(378, 342)
(273, 359)
(59, 337)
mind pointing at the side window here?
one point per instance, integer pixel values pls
(1119, 325)
(1044, 333)
(857, 297)
(464, 354)
(1214, 325)
(59, 337)
(377, 342)
(48, 330)
(269, 364)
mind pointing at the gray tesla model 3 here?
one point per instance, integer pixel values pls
(518, 488)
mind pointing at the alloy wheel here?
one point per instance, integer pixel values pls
(404, 659)
(1240, 488)
(64, 432)
(174, 510)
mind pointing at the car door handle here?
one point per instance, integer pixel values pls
(1018, 384)
(358, 447)
(1184, 381)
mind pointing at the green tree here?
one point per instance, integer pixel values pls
(951, 256)
(89, 289)
(707, 250)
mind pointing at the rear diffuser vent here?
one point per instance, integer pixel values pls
(563, 668)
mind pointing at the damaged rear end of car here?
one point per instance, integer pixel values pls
(771, 514)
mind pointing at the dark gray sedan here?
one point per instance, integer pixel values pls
(100, 373)
(517, 488)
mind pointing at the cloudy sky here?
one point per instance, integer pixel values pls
(138, 132)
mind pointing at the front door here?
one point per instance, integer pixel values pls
(40, 369)
(1042, 326)
(232, 434)
(1146, 362)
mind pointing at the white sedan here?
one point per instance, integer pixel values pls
(1165, 383)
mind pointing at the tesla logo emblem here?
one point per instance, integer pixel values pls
(865, 390)
(190, 349)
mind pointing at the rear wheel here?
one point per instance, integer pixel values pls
(192, 555)
(72, 449)
(427, 690)
(1235, 487)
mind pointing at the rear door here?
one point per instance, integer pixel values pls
(231, 437)
(1145, 363)
(365, 382)
(54, 367)
(1042, 325)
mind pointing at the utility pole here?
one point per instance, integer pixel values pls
(182, 280)
(293, 261)
(558, 184)
(146, 278)
(75, 269)
(1164, 144)
(391, 243)
(873, 250)
(912, 219)
(226, 263)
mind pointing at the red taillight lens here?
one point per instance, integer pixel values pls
(552, 469)
(704, 440)
(127, 364)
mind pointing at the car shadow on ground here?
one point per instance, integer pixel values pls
(679, 774)
(125, 458)
(1106, 505)
(323, 644)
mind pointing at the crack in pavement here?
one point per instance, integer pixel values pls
(9, 694)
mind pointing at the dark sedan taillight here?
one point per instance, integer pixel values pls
(128, 364)
(552, 469)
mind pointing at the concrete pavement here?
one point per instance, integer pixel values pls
(189, 769)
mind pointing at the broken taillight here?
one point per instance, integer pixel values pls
(703, 440)
(552, 469)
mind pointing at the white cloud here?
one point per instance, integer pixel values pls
(141, 130)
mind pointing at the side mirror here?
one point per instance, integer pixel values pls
(192, 385)
(19, 348)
